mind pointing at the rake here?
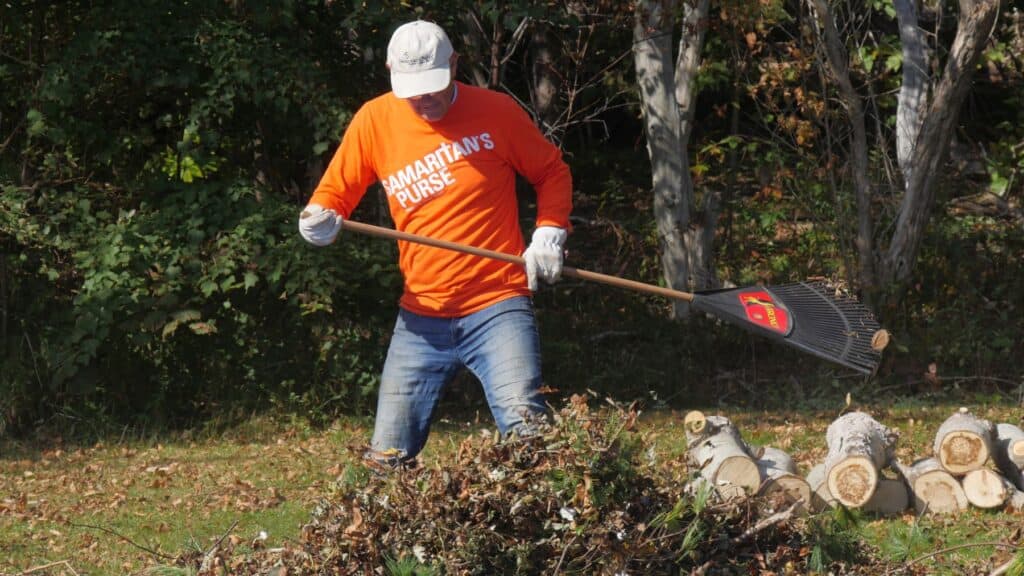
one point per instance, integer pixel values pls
(808, 316)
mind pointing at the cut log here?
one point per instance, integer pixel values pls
(985, 488)
(963, 442)
(891, 498)
(858, 447)
(1015, 499)
(934, 490)
(782, 486)
(891, 495)
(1009, 453)
(714, 447)
(821, 498)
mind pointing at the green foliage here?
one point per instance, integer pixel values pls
(1016, 568)
(834, 537)
(154, 156)
(906, 542)
(150, 260)
(407, 566)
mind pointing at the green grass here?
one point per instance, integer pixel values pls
(175, 494)
(113, 509)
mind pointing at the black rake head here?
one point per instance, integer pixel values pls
(809, 316)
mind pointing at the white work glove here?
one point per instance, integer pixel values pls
(544, 255)
(318, 226)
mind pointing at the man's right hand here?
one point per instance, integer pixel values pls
(318, 226)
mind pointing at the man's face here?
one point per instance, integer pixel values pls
(433, 106)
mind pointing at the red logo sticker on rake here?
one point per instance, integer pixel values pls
(762, 310)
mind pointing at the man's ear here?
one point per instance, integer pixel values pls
(453, 64)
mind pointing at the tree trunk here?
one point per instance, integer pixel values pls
(1016, 499)
(975, 23)
(715, 448)
(496, 47)
(935, 490)
(891, 496)
(544, 89)
(670, 175)
(1009, 453)
(3, 304)
(691, 42)
(914, 88)
(858, 447)
(781, 485)
(963, 442)
(836, 59)
(473, 41)
(700, 236)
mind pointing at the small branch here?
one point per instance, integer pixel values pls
(777, 518)
(212, 552)
(611, 334)
(749, 533)
(24, 63)
(564, 552)
(10, 137)
(960, 547)
(65, 563)
(125, 538)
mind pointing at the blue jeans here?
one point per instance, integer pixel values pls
(498, 344)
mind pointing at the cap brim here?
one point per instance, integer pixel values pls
(407, 85)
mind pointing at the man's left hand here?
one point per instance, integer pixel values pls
(544, 255)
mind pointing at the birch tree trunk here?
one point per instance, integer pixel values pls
(858, 448)
(963, 442)
(666, 127)
(927, 152)
(914, 90)
(700, 235)
(1009, 453)
(926, 118)
(821, 498)
(715, 447)
(781, 485)
(691, 41)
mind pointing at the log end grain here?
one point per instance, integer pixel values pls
(737, 476)
(853, 481)
(938, 492)
(880, 340)
(1017, 449)
(984, 488)
(694, 422)
(962, 451)
(783, 491)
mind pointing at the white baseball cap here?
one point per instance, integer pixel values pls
(419, 56)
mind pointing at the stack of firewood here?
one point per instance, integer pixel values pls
(736, 469)
(974, 463)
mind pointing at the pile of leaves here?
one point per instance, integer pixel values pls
(585, 494)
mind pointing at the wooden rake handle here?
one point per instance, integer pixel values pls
(379, 232)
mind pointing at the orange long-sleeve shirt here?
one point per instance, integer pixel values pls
(453, 179)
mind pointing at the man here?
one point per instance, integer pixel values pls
(447, 154)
